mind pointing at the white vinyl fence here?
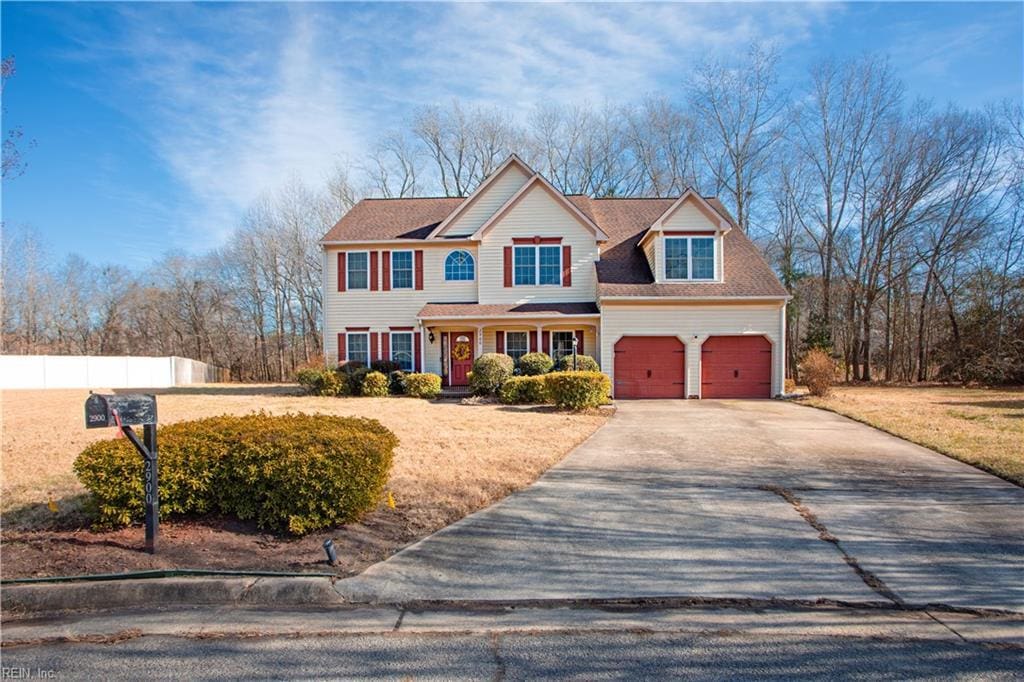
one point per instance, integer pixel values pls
(95, 371)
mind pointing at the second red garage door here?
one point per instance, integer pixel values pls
(736, 367)
(649, 367)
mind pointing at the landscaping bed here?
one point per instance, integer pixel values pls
(452, 459)
(980, 426)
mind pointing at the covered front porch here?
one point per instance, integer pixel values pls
(455, 334)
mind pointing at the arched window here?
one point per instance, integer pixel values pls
(458, 266)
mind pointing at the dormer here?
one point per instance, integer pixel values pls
(684, 244)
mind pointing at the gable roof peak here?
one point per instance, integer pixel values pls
(512, 160)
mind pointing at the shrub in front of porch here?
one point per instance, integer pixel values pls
(376, 385)
(320, 380)
(535, 364)
(490, 371)
(423, 385)
(584, 363)
(578, 390)
(524, 391)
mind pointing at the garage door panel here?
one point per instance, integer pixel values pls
(650, 367)
(736, 367)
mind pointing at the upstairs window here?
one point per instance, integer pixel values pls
(401, 350)
(537, 265)
(401, 270)
(517, 344)
(358, 270)
(691, 258)
(458, 267)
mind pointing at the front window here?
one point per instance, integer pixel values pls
(690, 258)
(458, 266)
(525, 265)
(561, 344)
(401, 269)
(537, 265)
(358, 347)
(517, 344)
(358, 270)
(401, 350)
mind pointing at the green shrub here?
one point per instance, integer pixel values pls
(376, 385)
(384, 366)
(535, 364)
(424, 385)
(295, 472)
(396, 382)
(353, 375)
(524, 390)
(584, 363)
(578, 390)
(490, 371)
(319, 380)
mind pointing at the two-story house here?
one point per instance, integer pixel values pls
(668, 295)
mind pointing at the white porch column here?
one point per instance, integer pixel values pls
(540, 338)
(423, 348)
(479, 340)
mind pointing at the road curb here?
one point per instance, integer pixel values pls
(200, 591)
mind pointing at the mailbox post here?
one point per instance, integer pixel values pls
(122, 411)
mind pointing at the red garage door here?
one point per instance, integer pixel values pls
(736, 367)
(649, 367)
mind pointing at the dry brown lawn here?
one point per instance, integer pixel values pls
(453, 459)
(980, 426)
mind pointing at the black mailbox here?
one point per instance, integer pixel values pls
(122, 411)
(104, 410)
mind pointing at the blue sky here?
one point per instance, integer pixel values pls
(157, 124)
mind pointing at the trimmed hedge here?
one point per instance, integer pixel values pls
(534, 364)
(424, 385)
(397, 382)
(584, 363)
(384, 366)
(321, 381)
(294, 472)
(578, 390)
(376, 385)
(490, 371)
(524, 390)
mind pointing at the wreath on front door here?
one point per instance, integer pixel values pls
(461, 351)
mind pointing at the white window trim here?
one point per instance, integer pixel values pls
(526, 345)
(412, 349)
(536, 264)
(369, 272)
(391, 269)
(369, 351)
(715, 244)
(444, 265)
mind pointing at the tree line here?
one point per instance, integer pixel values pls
(896, 224)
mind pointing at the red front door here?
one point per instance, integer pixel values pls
(461, 357)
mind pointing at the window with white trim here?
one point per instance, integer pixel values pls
(402, 350)
(357, 347)
(561, 344)
(537, 264)
(517, 344)
(458, 266)
(358, 270)
(690, 258)
(401, 270)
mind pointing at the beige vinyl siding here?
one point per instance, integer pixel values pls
(380, 309)
(689, 217)
(538, 214)
(650, 251)
(489, 201)
(692, 324)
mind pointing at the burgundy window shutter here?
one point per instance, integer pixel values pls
(341, 271)
(385, 262)
(566, 266)
(373, 347)
(499, 341)
(547, 342)
(373, 271)
(579, 342)
(508, 266)
(385, 346)
(533, 342)
(419, 269)
(417, 351)
(341, 348)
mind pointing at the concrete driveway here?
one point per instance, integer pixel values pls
(731, 499)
